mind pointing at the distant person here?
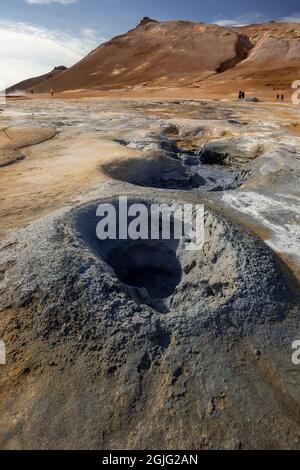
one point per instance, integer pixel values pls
(32, 92)
(243, 95)
(51, 92)
(240, 95)
(282, 97)
(278, 97)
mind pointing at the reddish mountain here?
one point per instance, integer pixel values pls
(182, 53)
(155, 54)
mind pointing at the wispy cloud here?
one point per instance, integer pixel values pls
(28, 50)
(255, 18)
(241, 20)
(46, 2)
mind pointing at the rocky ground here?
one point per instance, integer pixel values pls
(197, 353)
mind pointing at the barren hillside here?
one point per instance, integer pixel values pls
(181, 53)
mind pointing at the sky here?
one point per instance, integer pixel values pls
(36, 35)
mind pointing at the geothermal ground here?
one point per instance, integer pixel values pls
(142, 344)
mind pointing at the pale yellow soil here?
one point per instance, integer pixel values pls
(12, 139)
(53, 174)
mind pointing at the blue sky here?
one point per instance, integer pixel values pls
(36, 35)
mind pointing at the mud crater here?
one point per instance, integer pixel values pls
(163, 172)
(215, 166)
(148, 265)
(155, 171)
(217, 280)
(150, 269)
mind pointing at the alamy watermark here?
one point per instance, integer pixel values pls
(2, 353)
(296, 353)
(142, 221)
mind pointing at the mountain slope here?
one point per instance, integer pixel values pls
(155, 53)
(33, 82)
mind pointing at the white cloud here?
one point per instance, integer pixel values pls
(46, 2)
(241, 20)
(27, 50)
(229, 23)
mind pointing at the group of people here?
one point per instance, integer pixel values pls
(242, 96)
